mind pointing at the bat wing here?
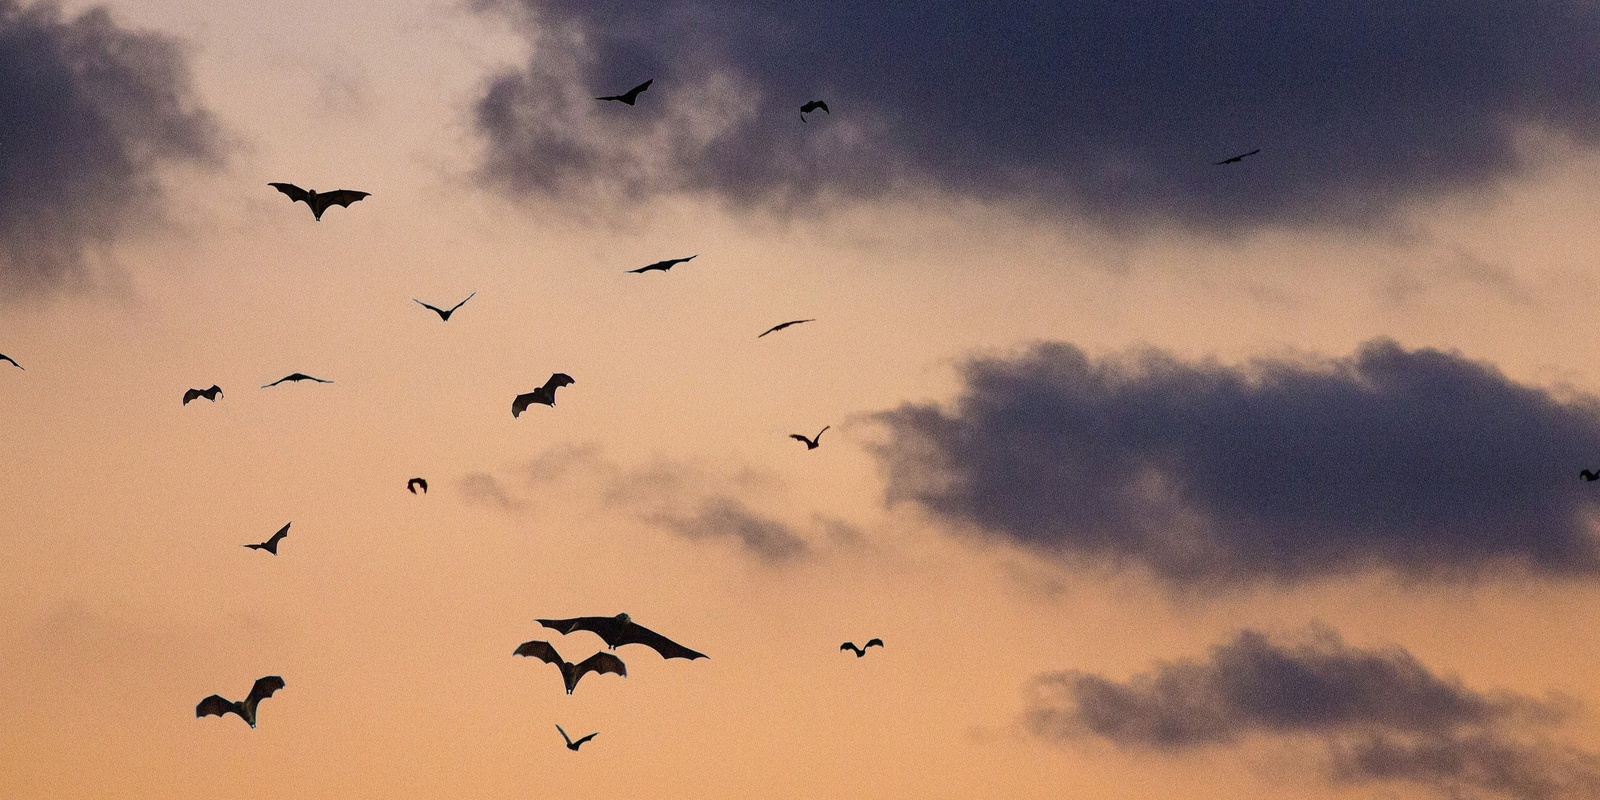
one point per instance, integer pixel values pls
(463, 302)
(264, 688)
(606, 627)
(797, 437)
(580, 742)
(215, 704)
(873, 641)
(521, 403)
(848, 646)
(296, 194)
(271, 545)
(557, 381)
(4, 357)
(433, 308)
(278, 381)
(337, 197)
(601, 662)
(190, 395)
(540, 650)
(634, 633)
(641, 87)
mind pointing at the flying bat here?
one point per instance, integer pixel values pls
(601, 662)
(545, 394)
(785, 325)
(443, 314)
(663, 265)
(620, 630)
(1589, 475)
(631, 95)
(862, 650)
(573, 746)
(295, 378)
(811, 444)
(319, 202)
(210, 394)
(1236, 159)
(246, 708)
(813, 106)
(4, 357)
(271, 545)
(413, 484)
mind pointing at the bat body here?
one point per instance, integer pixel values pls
(811, 444)
(1236, 159)
(545, 394)
(573, 746)
(783, 325)
(620, 630)
(295, 378)
(601, 662)
(443, 314)
(631, 95)
(246, 708)
(1589, 475)
(271, 545)
(417, 483)
(862, 650)
(4, 357)
(319, 202)
(210, 394)
(814, 105)
(663, 265)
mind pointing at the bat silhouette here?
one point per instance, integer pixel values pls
(811, 444)
(1589, 475)
(631, 95)
(246, 708)
(271, 545)
(601, 662)
(210, 394)
(545, 394)
(443, 314)
(4, 357)
(414, 483)
(573, 746)
(862, 650)
(1236, 159)
(814, 105)
(295, 378)
(785, 325)
(663, 265)
(620, 630)
(319, 202)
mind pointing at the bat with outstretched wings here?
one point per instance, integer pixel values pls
(444, 314)
(662, 265)
(573, 746)
(210, 394)
(545, 395)
(620, 630)
(862, 650)
(811, 444)
(295, 378)
(417, 483)
(271, 545)
(246, 708)
(631, 95)
(1236, 159)
(601, 662)
(814, 105)
(780, 326)
(320, 202)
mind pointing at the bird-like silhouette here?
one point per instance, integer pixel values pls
(271, 545)
(862, 650)
(663, 265)
(210, 394)
(443, 314)
(246, 708)
(814, 105)
(811, 444)
(295, 378)
(601, 662)
(1236, 159)
(620, 630)
(545, 394)
(1589, 475)
(631, 95)
(319, 202)
(416, 483)
(573, 746)
(783, 325)
(4, 357)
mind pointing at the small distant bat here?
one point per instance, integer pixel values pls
(631, 95)
(4, 357)
(295, 378)
(814, 105)
(785, 325)
(620, 630)
(443, 314)
(246, 708)
(319, 202)
(210, 394)
(573, 746)
(862, 650)
(545, 394)
(417, 483)
(663, 265)
(1236, 159)
(271, 545)
(1589, 475)
(811, 444)
(601, 662)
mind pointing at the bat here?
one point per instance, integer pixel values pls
(413, 484)
(601, 662)
(781, 326)
(1589, 475)
(210, 394)
(631, 95)
(295, 378)
(620, 630)
(319, 202)
(573, 746)
(663, 265)
(1236, 159)
(862, 650)
(814, 105)
(246, 708)
(4, 357)
(545, 394)
(271, 545)
(443, 314)
(811, 444)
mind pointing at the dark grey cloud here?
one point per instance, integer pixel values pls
(1381, 715)
(726, 518)
(89, 114)
(1416, 461)
(1116, 109)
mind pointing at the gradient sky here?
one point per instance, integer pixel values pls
(1157, 478)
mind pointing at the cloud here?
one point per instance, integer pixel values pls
(1420, 462)
(1114, 109)
(724, 517)
(481, 487)
(90, 113)
(1381, 715)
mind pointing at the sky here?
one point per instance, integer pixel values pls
(1156, 477)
